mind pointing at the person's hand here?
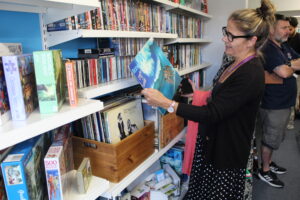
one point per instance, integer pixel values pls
(194, 89)
(156, 98)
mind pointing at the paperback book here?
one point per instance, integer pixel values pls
(71, 83)
(152, 69)
(50, 80)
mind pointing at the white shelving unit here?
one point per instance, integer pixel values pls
(14, 132)
(105, 88)
(186, 40)
(192, 69)
(166, 3)
(44, 6)
(115, 188)
(57, 37)
(180, 9)
(96, 188)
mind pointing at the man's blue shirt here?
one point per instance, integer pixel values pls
(279, 96)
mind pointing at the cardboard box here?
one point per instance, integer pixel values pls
(115, 161)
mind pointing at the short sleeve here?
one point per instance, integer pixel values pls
(272, 58)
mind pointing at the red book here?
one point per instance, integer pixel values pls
(71, 82)
(93, 63)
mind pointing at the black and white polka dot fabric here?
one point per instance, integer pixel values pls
(208, 183)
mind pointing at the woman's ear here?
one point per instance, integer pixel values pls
(252, 41)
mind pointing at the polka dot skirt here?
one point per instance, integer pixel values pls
(208, 183)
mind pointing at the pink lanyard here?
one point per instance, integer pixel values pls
(229, 70)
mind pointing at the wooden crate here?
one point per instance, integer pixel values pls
(170, 126)
(114, 161)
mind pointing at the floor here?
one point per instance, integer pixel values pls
(287, 156)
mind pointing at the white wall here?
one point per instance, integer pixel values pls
(287, 5)
(280, 5)
(253, 3)
(213, 52)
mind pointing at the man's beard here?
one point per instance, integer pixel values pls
(281, 40)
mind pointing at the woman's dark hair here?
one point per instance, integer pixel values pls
(255, 22)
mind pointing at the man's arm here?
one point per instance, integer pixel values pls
(284, 71)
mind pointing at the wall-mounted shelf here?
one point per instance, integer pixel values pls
(180, 9)
(166, 3)
(116, 188)
(43, 6)
(186, 40)
(96, 188)
(193, 69)
(57, 37)
(106, 88)
(13, 132)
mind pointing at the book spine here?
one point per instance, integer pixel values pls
(14, 87)
(59, 25)
(71, 83)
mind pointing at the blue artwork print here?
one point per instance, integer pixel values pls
(153, 70)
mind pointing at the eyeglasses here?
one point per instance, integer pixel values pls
(231, 37)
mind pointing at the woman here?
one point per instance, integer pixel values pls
(227, 121)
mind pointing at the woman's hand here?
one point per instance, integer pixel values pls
(193, 87)
(156, 98)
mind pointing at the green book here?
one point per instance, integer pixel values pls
(50, 80)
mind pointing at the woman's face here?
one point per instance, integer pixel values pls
(238, 46)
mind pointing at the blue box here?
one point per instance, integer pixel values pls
(21, 168)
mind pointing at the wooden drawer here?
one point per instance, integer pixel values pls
(170, 126)
(114, 161)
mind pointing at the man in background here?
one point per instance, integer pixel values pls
(280, 61)
(294, 38)
(294, 42)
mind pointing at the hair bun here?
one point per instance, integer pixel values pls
(260, 12)
(266, 10)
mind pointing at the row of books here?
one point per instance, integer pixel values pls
(188, 27)
(130, 46)
(115, 122)
(33, 80)
(195, 4)
(197, 77)
(91, 72)
(184, 56)
(123, 15)
(39, 167)
(131, 16)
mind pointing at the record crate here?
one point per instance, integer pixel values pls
(170, 125)
(115, 161)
